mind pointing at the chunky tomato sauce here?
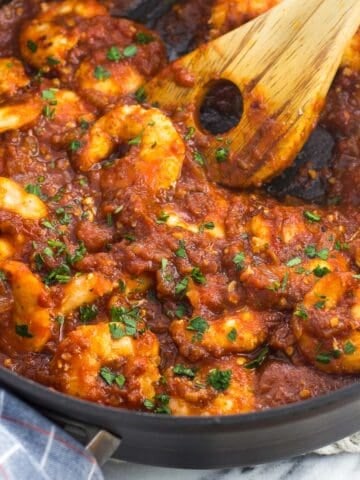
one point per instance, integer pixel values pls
(127, 277)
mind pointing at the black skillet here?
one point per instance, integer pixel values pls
(206, 442)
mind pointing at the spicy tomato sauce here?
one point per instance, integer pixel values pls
(127, 277)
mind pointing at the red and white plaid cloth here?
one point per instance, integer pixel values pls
(32, 448)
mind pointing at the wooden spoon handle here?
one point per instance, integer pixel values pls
(283, 62)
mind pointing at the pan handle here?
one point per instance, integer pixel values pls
(102, 446)
(99, 443)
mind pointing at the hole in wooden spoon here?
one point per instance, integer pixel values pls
(221, 108)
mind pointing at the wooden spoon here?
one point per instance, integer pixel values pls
(283, 62)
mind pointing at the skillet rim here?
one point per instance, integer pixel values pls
(271, 415)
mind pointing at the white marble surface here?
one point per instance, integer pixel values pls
(311, 467)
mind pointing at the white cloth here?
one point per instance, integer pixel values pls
(348, 445)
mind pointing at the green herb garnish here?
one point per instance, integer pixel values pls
(219, 379)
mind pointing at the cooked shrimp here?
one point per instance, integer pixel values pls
(66, 108)
(282, 285)
(177, 220)
(120, 79)
(85, 9)
(20, 113)
(23, 111)
(327, 324)
(31, 322)
(13, 198)
(83, 289)
(228, 14)
(224, 387)
(281, 226)
(83, 354)
(162, 150)
(45, 41)
(7, 248)
(12, 76)
(238, 332)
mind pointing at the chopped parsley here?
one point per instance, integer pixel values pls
(198, 276)
(293, 262)
(232, 335)
(88, 313)
(49, 95)
(239, 260)
(182, 371)
(301, 312)
(60, 319)
(323, 254)
(181, 310)
(75, 145)
(78, 254)
(140, 95)
(199, 158)
(190, 133)
(259, 360)
(109, 377)
(130, 237)
(52, 61)
(23, 331)
(114, 54)
(130, 51)
(124, 322)
(34, 189)
(48, 252)
(135, 141)
(207, 226)
(120, 380)
(149, 404)
(181, 251)
(122, 285)
(326, 357)
(49, 112)
(198, 325)
(84, 124)
(63, 216)
(341, 246)
(162, 404)
(32, 46)
(320, 271)
(182, 286)
(219, 379)
(60, 274)
(284, 282)
(58, 246)
(312, 216)
(320, 304)
(274, 286)
(100, 73)
(143, 38)
(164, 264)
(349, 348)
(109, 220)
(222, 154)
(310, 251)
(162, 218)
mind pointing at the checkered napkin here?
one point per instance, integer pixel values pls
(32, 448)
